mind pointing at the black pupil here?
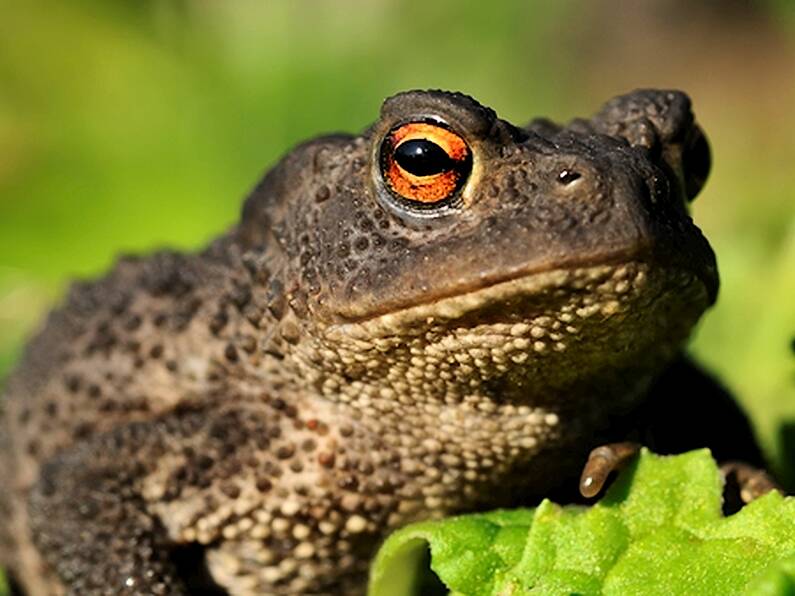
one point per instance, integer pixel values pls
(422, 158)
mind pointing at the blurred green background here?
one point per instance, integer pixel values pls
(131, 124)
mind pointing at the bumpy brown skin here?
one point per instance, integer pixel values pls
(336, 365)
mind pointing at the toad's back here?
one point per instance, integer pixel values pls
(401, 322)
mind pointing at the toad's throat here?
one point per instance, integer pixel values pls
(600, 331)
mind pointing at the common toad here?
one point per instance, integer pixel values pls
(441, 314)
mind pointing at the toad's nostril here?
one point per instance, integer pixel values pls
(696, 162)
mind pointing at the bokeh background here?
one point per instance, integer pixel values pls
(131, 124)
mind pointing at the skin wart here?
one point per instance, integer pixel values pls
(389, 334)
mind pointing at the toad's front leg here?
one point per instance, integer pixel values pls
(112, 514)
(91, 524)
(238, 499)
(743, 482)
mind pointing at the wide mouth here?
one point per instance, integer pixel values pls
(452, 299)
(602, 288)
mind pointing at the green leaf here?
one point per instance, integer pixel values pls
(659, 530)
(470, 552)
(779, 579)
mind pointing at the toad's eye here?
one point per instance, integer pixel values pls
(425, 162)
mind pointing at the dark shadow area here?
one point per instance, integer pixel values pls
(689, 409)
(191, 565)
(14, 588)
(428, 583)
(732, 501)
(619, 492)
(786, 450)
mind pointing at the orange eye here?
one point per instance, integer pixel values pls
(425, 162)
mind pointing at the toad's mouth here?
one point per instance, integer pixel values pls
(511, 292)
(606, 288)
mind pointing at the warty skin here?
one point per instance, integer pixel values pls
(256, 417)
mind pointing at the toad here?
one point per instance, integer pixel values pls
(442, 314)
